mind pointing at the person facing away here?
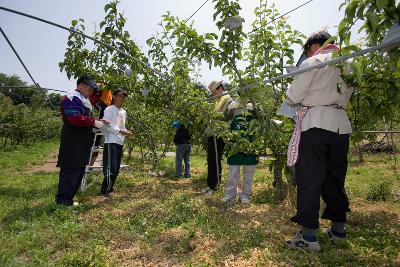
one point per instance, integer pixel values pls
(215, 144)
(183, 148)
(319, 145)
(77, 137)
(114, 137)
(241, 114)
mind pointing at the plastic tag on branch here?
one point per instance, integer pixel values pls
(277, 122)
(127, 71)
(145, 92)
(233, 23)
(392, 34)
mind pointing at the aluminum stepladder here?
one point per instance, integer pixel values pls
(95, 168)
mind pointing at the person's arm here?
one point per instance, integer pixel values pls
(111, 118)
(125, 131)
(72, 112)
(224, 110)
(231, 107)
(301, 83)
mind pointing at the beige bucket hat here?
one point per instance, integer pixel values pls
(214, 85)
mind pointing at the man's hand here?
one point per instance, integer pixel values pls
(104, 121)
(98, 124)
(125, 132)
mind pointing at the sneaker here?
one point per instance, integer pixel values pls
(335, 236)
(298, 242)
(245, 200)
(207, 191)
(74, 205)
(228, 200)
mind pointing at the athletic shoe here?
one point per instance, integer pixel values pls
(335, 236)
(298, 242)
(74, 205)
(207, 191)
(245, 200)
(228, 200)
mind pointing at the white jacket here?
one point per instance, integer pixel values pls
(321, 88)
(117, 118)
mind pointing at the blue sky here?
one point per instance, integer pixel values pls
(42, 46)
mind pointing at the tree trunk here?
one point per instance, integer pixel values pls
(360, 153)
(130, 149)
(277, 177)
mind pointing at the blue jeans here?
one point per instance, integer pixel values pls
(182, 152)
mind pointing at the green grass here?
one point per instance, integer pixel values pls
(161, 221)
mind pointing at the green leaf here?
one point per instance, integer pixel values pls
(373, 20)
(382, 3)
(351, 9)
(357, 70)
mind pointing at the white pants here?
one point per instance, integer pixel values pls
(232, 181)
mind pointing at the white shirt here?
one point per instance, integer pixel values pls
(117, 118)
(320, 88)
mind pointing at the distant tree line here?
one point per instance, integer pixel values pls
(26, 114)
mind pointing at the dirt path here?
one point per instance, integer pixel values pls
(49, 166)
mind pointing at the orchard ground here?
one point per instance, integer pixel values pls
(160, 221)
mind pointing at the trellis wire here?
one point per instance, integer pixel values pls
(71, 30)
(196, 11)
(287, 13)
(20, 60)
(394, 42)
(383, 131)
(23, 87)
(26, 69)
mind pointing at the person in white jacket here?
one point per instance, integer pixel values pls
(114, 137)
(319, 145)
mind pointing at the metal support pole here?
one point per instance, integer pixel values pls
(20, 60)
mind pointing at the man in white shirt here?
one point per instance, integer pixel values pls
(319, 144)
(114, 136)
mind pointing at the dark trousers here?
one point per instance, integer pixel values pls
(215, 148)
(68, 184)
(112, 155)
(321, 171)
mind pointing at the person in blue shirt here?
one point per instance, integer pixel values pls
(183, 148)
